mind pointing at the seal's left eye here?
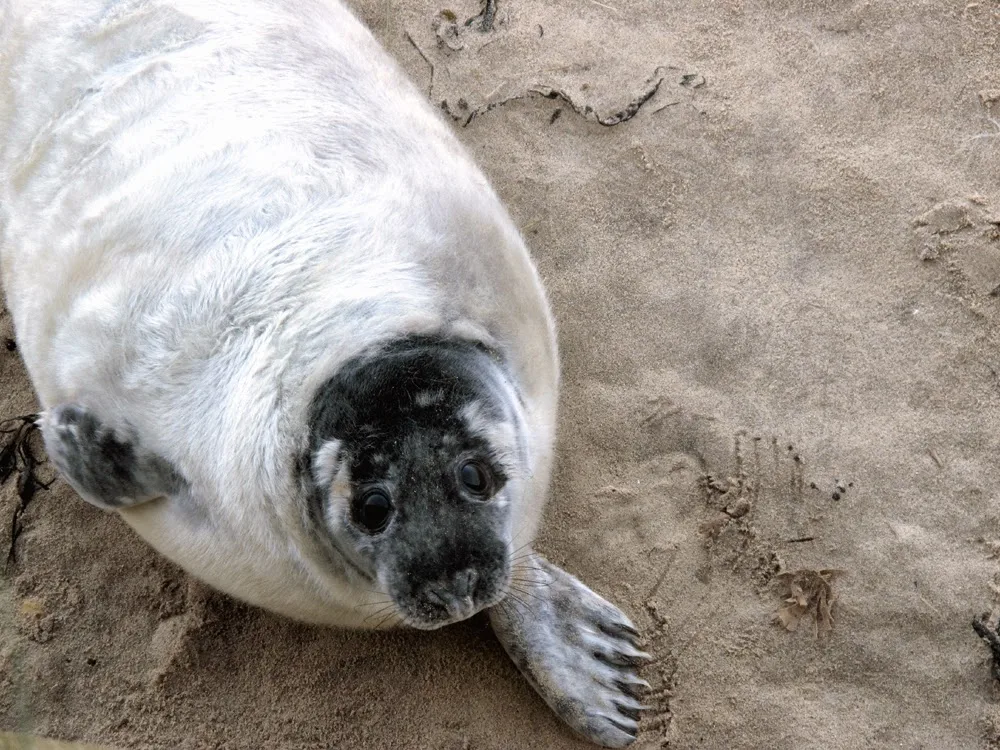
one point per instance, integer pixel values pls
(476, 478)
(374, 511)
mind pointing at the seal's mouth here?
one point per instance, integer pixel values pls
(437, 609)
(420, 624)
(424, 623)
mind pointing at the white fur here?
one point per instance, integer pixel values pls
(199, 198)
(326, 462)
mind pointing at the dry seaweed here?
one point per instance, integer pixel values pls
(17, 459)
(809, 594)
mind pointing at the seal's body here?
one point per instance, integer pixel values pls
(278, 319)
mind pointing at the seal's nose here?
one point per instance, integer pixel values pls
(455, 596)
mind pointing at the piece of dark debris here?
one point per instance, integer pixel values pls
(486, 17)
(17, 459)
(992, 637)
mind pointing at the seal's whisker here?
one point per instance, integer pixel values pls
(522, 607)
(515, 551)
(519, 555)
(511, 612)
(517, 536)
(385, 608)
(524, 564)
(528, 593)
(373, 615)
(531, 584)
(513, 597)
(509, 593)
(521, 552)
(386, 619)
(375, 604)
(518, 585)
(529, 579)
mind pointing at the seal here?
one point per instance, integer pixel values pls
(280, 322)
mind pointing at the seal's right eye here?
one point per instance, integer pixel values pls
(476, 478)
(374, 510)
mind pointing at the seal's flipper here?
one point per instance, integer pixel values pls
(576, 649)
(107, 467)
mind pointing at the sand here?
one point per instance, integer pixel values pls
(781, 353)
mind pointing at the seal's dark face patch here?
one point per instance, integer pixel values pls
(417, 495)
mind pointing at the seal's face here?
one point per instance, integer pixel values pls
(415, 458)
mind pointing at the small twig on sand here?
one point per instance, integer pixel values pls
(609, 7)
(664, 106)
(430, 86)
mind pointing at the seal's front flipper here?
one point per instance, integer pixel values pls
(107, 467)
(576, 649)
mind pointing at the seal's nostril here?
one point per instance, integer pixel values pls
(436, 596)
(465, 583)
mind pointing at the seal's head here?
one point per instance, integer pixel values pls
(416, 453)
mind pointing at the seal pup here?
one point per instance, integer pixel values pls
(279, 321)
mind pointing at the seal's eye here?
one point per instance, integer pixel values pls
(374, 511)
(476, 478)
